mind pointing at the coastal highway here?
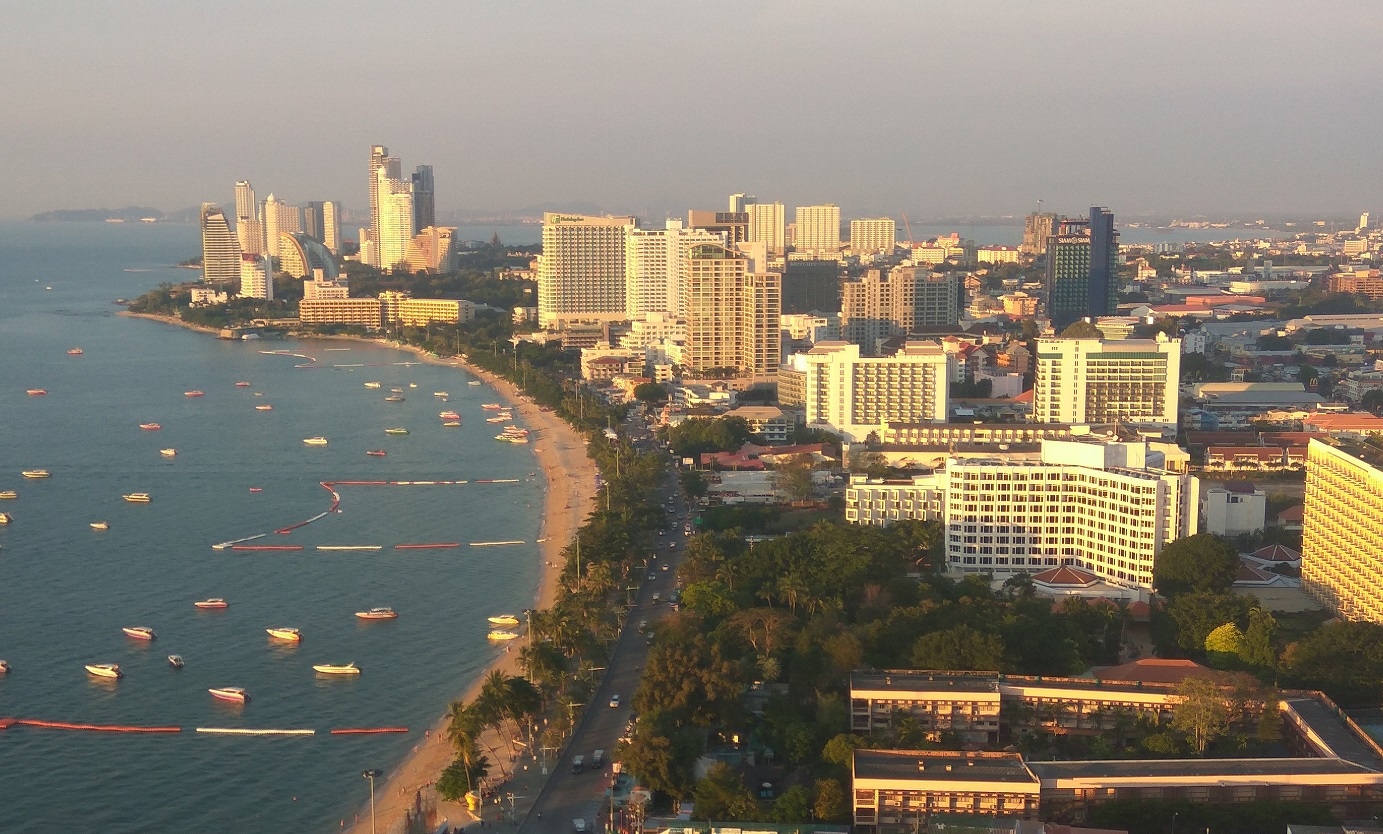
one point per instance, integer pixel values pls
(568, 796)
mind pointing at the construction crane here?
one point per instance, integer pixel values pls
(908, 226)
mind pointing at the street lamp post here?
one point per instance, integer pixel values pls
(372, 775)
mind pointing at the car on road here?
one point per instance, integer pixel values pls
(614, 702)
(652, 576)
(664, 567)
(643, 626)
(657, 597)
(672, 545)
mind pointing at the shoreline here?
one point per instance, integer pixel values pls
(568, 499)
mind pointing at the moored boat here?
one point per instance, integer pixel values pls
(396, 430)
(396, 390)
(315, 441)
(100, 525)
(4, 667)
(105, 670)
(194, 393)
(449, 415)
(4, 519)
(491, 406)
(336, 669)
(497, 634)
(36, 392)
(75, 352)
(150, 426)
(394, 398)
(168, 453)
(8, 494)
(499, 418)
(473, 382)
(372, 385)
(285, 633)
(234, 694)
(440, 394)
(36, 473)
(516, 431)
(264, 407)
(214, 602)
(242, 384)
(139, 632)
(452, 424)
(376, 453)
(175, 660)
(137, 497)
(378, 614)
(504, 620)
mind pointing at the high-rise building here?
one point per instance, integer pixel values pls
(379, 159)
(395, 197)
(882, 305)
(818, 229)
(331, 225)
(1131, 381)
(811, 284)
(220, 250)
(766, 226)
(432, 249)
(732, 225)
(279, 217)
(1341, 540)
(1082, 268)
(301, 256)
(248, 230)
(256, 277)
(732, 314)
(739, 202)
(312, 219)
(1363, 222)
(1117, 506)
(424, 199)
(855, 396)
(873, 234)
(1037, 227)
(655, 267)
(581, 275)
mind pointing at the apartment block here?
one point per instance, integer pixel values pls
(364, 312)
(1341, 540)
(818, 229)
(880, 502)
(732, 313)
(873, 234)
(1131, 381)
(882, 305)
(855, 395)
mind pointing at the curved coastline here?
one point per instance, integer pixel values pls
(568, 499)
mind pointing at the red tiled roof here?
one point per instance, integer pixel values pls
(1344, 422)
(1293, 514)
(1250, 575)
(1025, 397)
(1153, 670)
(1139, 610)
(1065, 575)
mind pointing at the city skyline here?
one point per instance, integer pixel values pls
(1181, 109)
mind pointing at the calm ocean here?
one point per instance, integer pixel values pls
(66, 590)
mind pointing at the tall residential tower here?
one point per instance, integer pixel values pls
(220, 250)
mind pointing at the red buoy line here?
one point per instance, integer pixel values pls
(6, 723)
(335, 507)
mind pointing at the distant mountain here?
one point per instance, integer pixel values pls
(128, 214)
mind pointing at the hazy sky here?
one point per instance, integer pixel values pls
(921, 106)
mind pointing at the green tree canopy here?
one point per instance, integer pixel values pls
(1081, 330)
(1203, 562)
(650, 392)
(1343, 659)
(960, 648)
(1190, 618)
(1200, 712)
(721, 795)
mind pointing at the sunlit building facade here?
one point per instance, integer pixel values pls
(220, 250)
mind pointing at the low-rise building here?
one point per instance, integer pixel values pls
(363, 312)
(855, 396)
(1233, 508)
(774, 424)
(880, 502)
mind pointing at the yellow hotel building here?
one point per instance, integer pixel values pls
(1341, 540)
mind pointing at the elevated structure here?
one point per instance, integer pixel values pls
(220, 250)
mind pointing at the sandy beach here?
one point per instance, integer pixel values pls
(570, 496)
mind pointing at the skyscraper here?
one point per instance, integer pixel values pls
(766, 226)
(220, 250)
(1037, 227)
(279, 217)
(312, 219)
(331, 226)
(581, 274)
(880, 306)
(424, 199)
(1082, 268)
(739, 202)
(248, 231)
(395, 221)
(379, 160)
(655, 267)
(818, 229)
(732, 314)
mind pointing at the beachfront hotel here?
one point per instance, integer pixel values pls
(1341, 540)
(362, 312)
(581, 275)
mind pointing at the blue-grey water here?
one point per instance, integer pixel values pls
(66, 590)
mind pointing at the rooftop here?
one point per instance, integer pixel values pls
(925, 681)
(1164, 768)
(942, 765)
(1152, 670)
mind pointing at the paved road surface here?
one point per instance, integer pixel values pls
(568, 796)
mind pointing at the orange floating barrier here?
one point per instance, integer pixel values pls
(427, 546)
(99, 728)
(266, 547)
(365, 731)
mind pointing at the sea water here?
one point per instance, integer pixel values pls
(67, 590)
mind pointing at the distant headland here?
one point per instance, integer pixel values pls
(128, 214)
